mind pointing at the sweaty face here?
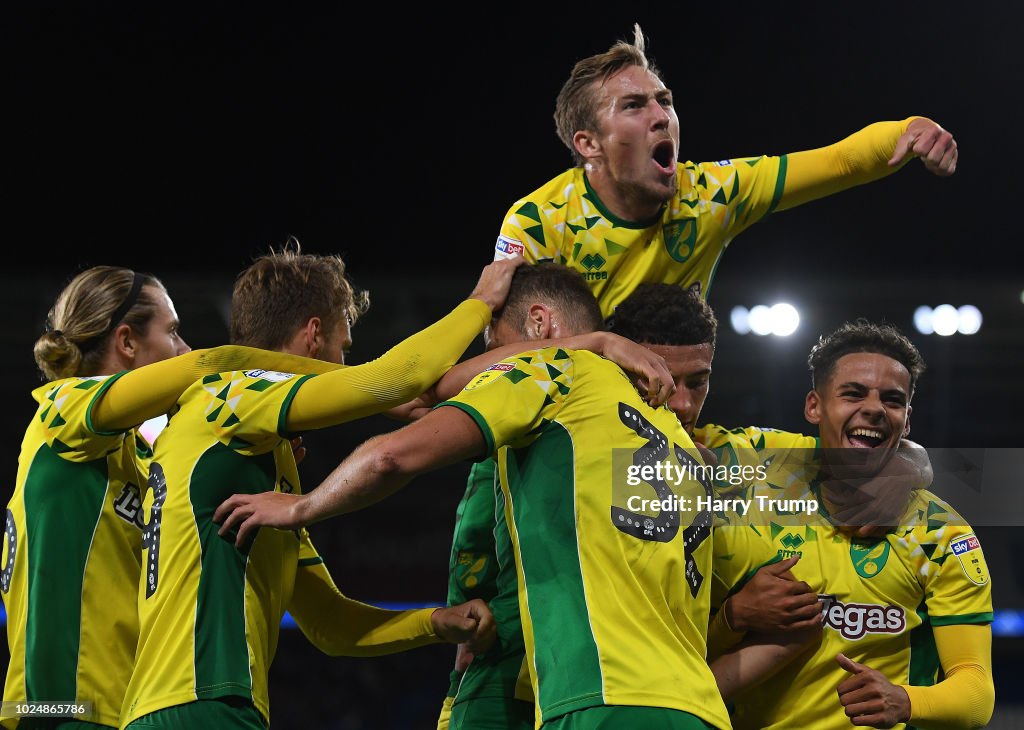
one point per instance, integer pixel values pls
(638, 135)
(500, 333)
(162, 339)
(690, 366)
(864, 405)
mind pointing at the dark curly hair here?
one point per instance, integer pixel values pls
(665, 314)
(862, 335)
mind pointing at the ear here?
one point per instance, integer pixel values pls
(587, 144)
(812, 407)
(906, 429)
(312, 335)
(124, 342)
(538, 322)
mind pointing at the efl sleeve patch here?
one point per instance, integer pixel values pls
(968, 551)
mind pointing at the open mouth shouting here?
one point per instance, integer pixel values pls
(664, 157)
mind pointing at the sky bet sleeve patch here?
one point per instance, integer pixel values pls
(968, 551)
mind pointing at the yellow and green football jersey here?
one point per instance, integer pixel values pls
(613, 576)
(73, 538)
(210, 613)
(483, 566)
(881, 596)
(564, 221)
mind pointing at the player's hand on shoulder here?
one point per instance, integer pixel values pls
(495, 279)
(654, 379)
(471, 622)
(246, 513)
(869, 698)
(929, 141)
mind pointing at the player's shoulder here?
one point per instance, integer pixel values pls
(751, 437)
(78, 385)
(234, 387)
(46, 392)
(561, 187)
(927, 513)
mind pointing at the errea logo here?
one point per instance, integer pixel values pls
(854, 620)
(592, 262)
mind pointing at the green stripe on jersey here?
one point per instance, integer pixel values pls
(780, 183)
(221, 649)
(565, 651)
(924, 655)
(58, 550)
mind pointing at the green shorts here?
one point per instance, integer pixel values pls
(616, 717)
(226, 713)
(492, 713)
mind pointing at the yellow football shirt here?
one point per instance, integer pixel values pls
(72, 532)
(564, 221)
(881, 596)
(613, 590)
(209, 613)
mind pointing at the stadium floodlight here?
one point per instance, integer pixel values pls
(760, 320)
(785, 319)
(968, 319)
(923, 320)
(945, 320)
(781, 319)
(740, 318)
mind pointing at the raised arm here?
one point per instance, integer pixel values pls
(870, 154)
(408, 368)
(152, 390)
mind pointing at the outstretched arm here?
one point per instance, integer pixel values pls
(870, 154)
(340, 626)
(398, 376)
(408, 368)
(376, 469)
(152, 390)
(631, 357)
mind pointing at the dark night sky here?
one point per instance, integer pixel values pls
(187, 136)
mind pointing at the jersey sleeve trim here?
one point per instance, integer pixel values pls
(282, 418)
(304, 562)
(104, 387)
(983, 617)
(780, 184)
(480, 421)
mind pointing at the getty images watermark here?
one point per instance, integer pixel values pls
(653, 485)
(674, 476)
